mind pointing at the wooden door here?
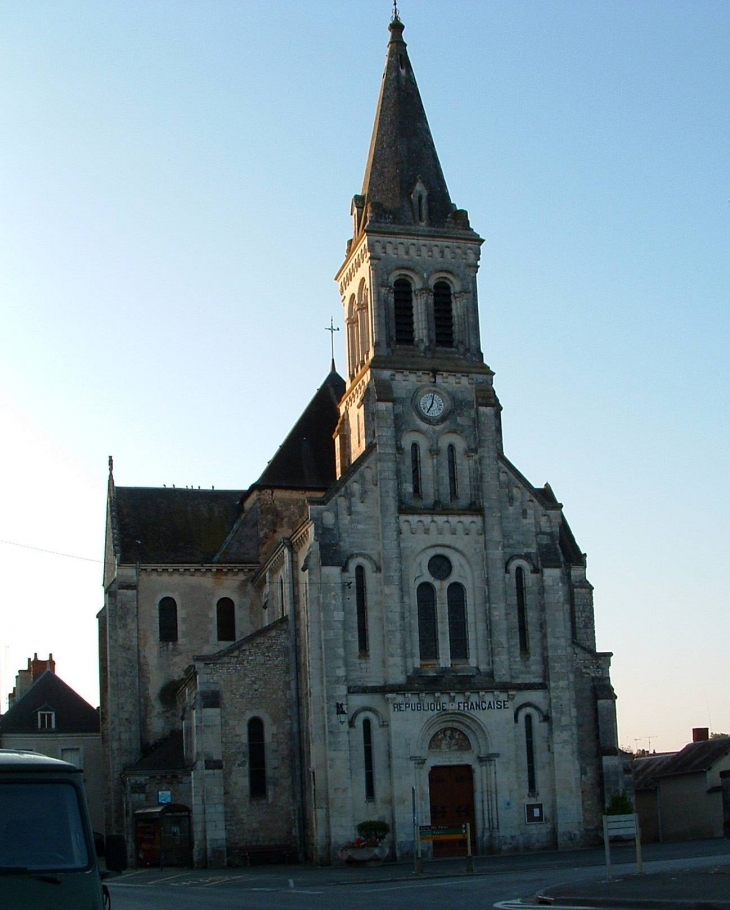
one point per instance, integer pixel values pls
(451, 791)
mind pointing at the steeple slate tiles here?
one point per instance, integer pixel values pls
(402, 151)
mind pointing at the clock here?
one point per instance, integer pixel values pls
(431, 405)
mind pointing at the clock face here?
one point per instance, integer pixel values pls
(431, 404)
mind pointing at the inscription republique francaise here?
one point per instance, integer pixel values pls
(477, 704)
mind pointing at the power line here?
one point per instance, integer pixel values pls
(25, 546)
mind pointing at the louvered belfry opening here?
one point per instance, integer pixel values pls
(403, 307)
(443, 315)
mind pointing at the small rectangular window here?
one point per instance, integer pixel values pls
(256, 758)
(72, 756)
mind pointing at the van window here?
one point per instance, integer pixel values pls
(41, 827)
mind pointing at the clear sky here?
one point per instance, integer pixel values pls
(175, 186)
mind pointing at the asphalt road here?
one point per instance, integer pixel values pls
(457, 894)
(445, 887)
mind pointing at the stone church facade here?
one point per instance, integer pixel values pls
(392, 616)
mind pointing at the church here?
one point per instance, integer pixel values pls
(392, 623)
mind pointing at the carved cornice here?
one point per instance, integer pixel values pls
(234, 570)
(441, 525)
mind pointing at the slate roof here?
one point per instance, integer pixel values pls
(178, 526)
(49, 692)
(402, 149)
(167, 755)
(306, 458)
(693, 759)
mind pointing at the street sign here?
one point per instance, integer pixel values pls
(436, 832)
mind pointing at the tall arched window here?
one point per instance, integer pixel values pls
(458, 634)
(416, 469)
(352, 339)
(453, 477)
(530, 755)
(226, 619)
(428, 638)
(362, 610)
(403, 311)
(443, 315)
(363, 329)
(367, 742)
(256, 758)
(167, 616)
(521, 609)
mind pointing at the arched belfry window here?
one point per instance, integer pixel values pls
(428, 639)
(352, 336)
(521, 609)
(256, 758)
(363, 330)
(458, 636)
(362, 610)
(443, 315)
(226, 619)
(403, 311)
(167, 617)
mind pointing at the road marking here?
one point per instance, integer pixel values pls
(287, 891)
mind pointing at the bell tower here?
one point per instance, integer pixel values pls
(408, 283)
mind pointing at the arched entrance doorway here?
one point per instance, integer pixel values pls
(451, 789)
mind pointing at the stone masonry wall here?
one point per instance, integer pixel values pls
(253, 679)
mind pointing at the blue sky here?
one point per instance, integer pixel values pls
(175, 184)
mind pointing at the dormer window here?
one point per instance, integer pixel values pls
(356, 210)
(419, 200)
(46, 719)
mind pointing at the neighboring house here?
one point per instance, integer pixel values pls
(47, 716)
(679, 794)
(392, 616)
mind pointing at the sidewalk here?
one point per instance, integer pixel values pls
(707, 888)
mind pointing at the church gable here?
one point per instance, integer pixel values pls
(306, 458)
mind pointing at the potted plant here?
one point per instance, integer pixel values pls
(368, 845)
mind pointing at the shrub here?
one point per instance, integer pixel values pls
(620, 804)
(373, 832)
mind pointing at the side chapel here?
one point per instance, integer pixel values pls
(392, 616)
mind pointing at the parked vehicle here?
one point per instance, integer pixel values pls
(48, 860)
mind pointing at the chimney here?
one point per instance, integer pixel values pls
(700, 734)
(39, 667)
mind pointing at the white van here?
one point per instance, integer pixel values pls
(47, 856)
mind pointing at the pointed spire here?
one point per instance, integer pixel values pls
(404, 183)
